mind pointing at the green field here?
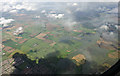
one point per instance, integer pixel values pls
(12, 44)
(36, 48)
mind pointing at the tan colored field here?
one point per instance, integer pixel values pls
(105, 44)
(18, 37)
(77, 30)
(32, 35)
(80, 59)
(114, 55)
(107, 65)
(41, 35)
(68, 50)
(22, 41)
(52, 44)
(102, 41)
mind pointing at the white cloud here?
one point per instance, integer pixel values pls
(13, 11)
(5, 21)
(57, 16)
(115, 10)
(74, 4)
(104, 27)
(59, 0)
(43, 11)
(6, 8)
(13, 7)
(29, 6)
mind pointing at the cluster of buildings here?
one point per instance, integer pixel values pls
(7, 67)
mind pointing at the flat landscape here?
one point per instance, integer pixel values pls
(59, 38)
